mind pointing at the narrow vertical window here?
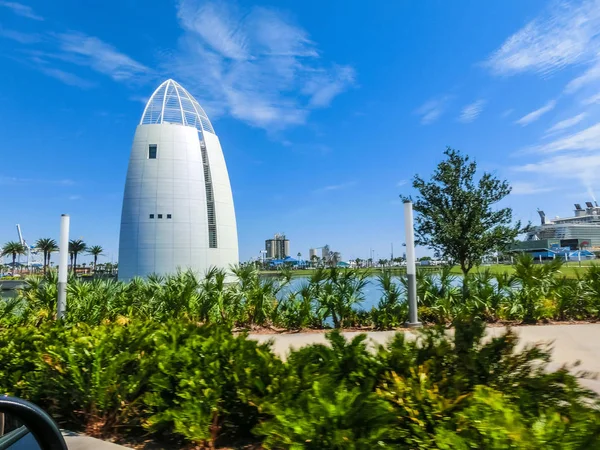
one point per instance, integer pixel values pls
(210, 199)
(152, 151)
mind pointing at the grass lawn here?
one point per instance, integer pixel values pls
(569, 270)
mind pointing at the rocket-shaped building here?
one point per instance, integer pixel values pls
(177, 208)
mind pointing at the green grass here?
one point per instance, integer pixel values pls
(570, 269)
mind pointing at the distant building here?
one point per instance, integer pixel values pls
(312, 253)
(278, 247)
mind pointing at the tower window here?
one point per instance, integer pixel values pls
(152, 216)
(160, 216)
(168, 216)
(152, 151)
(210, 199)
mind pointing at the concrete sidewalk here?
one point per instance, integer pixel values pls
(80, 442)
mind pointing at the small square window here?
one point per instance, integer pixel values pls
(168, 216)
(160, 216)
(152, 216)
(152, 151)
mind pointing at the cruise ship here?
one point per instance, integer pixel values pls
(581, 231)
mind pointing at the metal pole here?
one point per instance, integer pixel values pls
(411, 270)
(63, 261)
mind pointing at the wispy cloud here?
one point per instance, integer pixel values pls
(11, 180)
(591, 100)
(564, 34)
(575, 157)
(89, 51)
(75, 197)
(21, 10)
(59, 54)
(585, 140)
(66, 77)
(433, 109)
(567, 123)
(471, 111)
(527, 188)
(590, 75)
(22, 38)
(535, 115)
(573, 167)
(402, 183)
(507, 113)
(256, 64)
(334, 187)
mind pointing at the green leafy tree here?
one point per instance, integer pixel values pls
(95, 251)
(47, 246)
(76, 246)
(457, 214)
(13, 248)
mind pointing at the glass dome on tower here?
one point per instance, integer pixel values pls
(171, 103)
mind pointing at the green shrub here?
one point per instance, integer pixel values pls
(327, 417)
(204, 385)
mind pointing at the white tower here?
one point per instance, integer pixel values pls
(177, 208)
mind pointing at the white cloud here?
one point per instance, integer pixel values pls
(575, 158)
(567, 123)
(527, 188)
(565, 34)
(401, 183)
(21, 10)
(255, 64)
(12, 180)
(66, 77)
(334, 187)
(590, 75)
(471, 111)
(22, 38)
(591, 100)
(586, 140)
(323, 89)
(535, 115)
(433, 109)
(565, 166)
(89, 51)
(507, 113)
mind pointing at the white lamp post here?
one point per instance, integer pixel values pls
(63, 261)
(411, 269)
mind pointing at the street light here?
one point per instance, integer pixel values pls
(411, 270)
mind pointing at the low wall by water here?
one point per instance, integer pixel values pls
(11, 285)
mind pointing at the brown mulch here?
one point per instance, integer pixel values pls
(507, 323)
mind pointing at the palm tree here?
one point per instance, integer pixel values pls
(13, 248)
(76, 246)
(46, 245)
(95, 250)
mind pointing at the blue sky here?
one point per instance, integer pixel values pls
(324, 110)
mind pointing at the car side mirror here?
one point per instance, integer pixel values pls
(25, 426)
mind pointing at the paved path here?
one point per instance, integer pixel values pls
(570, 343)
(80, 442)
